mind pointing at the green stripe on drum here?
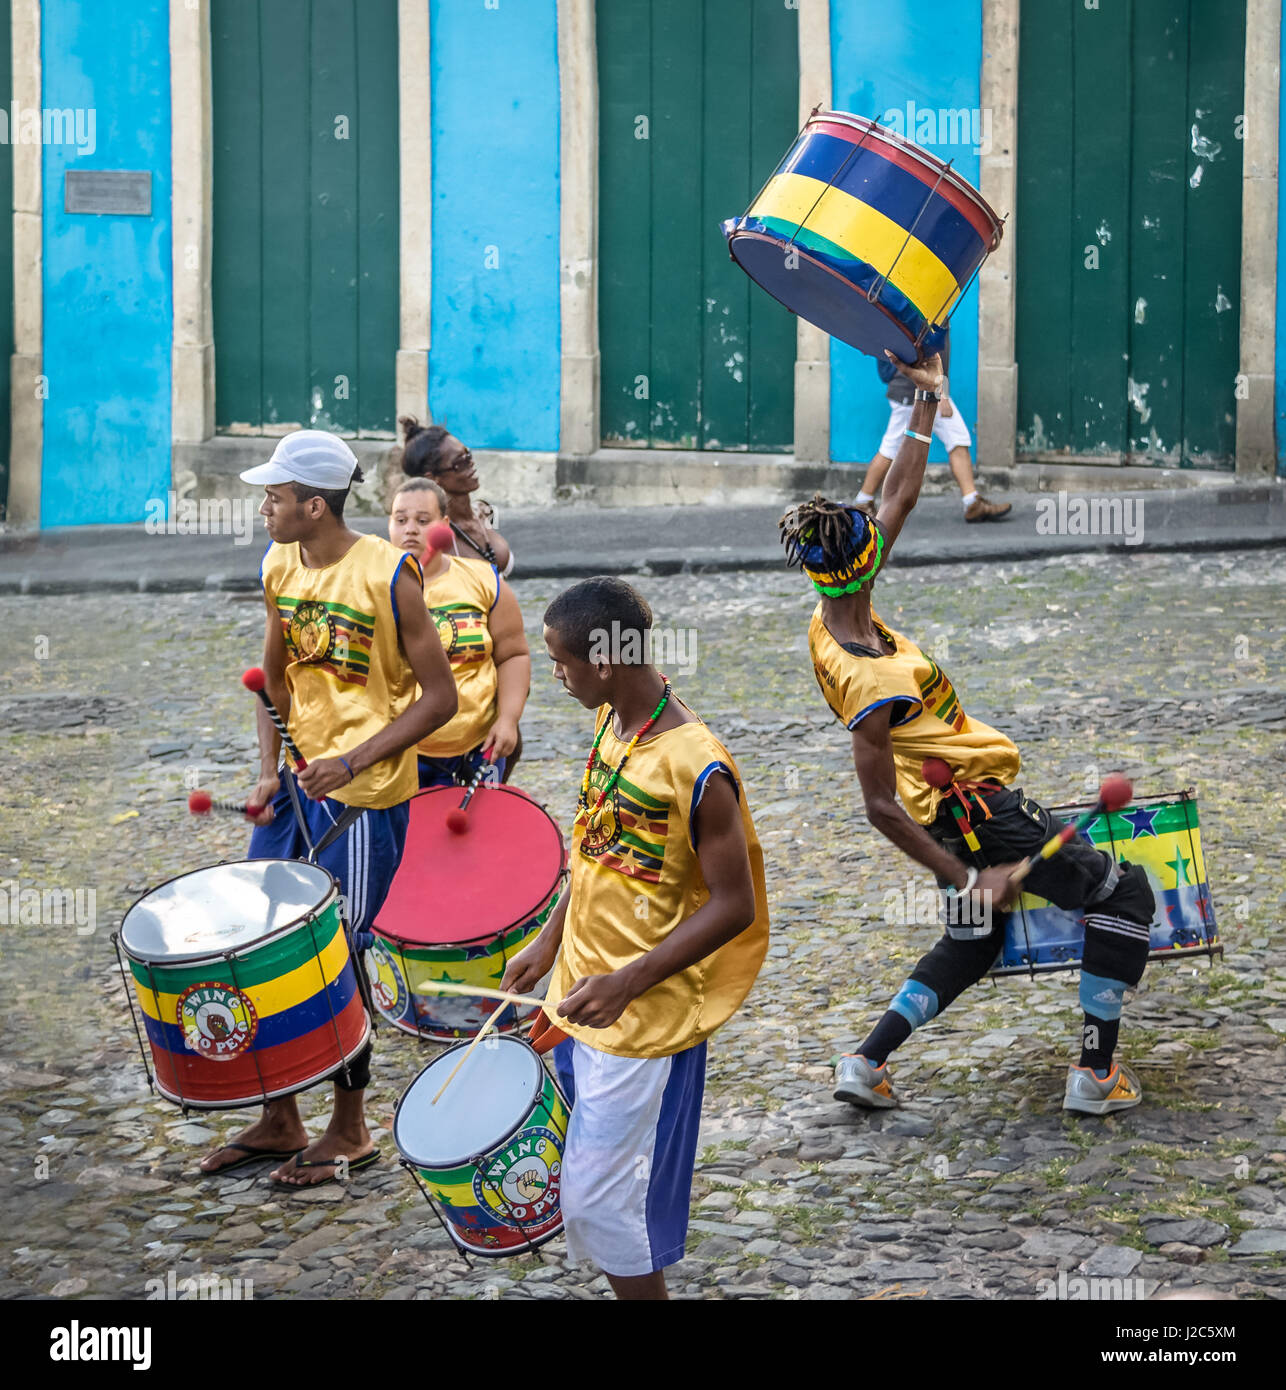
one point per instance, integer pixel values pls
(1174, 817)
(511, 940)
(253, 965)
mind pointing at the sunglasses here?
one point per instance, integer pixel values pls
(461, 465)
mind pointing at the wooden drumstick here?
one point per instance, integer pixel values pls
(464, 1056)
(451, 987)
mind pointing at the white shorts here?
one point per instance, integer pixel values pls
(949, 430)
(631, 1150)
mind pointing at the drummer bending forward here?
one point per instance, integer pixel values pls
(662, 931)
(902, 710)
(347, 639)
(480, 624)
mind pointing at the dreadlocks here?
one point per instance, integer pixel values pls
(836, 546)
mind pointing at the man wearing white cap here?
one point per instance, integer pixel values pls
(348, 639)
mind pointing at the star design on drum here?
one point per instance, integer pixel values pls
(1141, 819)
(1180, 867)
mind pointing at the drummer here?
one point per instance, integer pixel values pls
(347, 640)
(480, 624)
(655, 944)
(429, 451)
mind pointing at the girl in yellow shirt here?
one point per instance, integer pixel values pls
(480, 625)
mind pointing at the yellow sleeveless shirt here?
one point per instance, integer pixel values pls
(926, 720)
(635, 876)
(461, 600)
(347, 674)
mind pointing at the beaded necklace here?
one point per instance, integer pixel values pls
(582, 803)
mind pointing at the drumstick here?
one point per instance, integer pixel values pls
(202, 803)
(1114, 793)
(428, 986)
(464, 1056)
(458, 816)
(254, 679)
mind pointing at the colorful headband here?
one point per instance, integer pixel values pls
(861, 568)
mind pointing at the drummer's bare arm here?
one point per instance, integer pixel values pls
(902, 486)
(512, 656)
(274, 671)
(597, 1001)
(436, 703)
(534, 962)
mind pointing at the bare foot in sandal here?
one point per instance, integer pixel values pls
(277, 1133)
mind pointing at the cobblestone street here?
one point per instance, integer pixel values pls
(1169, 668)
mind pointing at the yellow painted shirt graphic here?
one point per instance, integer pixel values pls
(346, 671)
(635, 876)
(926, 720)
(460, 602)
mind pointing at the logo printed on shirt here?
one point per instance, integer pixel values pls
(462, 629)
(329, 636)
(628, 832)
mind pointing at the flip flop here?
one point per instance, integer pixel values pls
(251, 1155)
(355, 1166)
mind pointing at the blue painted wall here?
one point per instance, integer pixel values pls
(884, 54)
(494, 368)
(1281, 273)
(107, 300)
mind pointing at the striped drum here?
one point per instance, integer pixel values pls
(866, 235)
(245, 980)
(461, 907)
(489, 1153)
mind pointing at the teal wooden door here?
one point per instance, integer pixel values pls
(305, 214)
(698, 100)
(1128, 231)
(6, 254)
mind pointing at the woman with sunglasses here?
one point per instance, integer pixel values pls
(428, 451)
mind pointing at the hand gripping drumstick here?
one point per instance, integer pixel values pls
(1114, 793)
(255, 680)
(202, 803)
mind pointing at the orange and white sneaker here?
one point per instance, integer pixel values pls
(859, 1083)
(1118, 1090)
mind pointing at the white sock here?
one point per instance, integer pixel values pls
(969, 500)
(865, 497)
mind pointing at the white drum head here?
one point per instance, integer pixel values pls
(481, 1108)
(222, 908)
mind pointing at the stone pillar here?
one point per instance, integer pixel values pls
(1256, 406)
(579, 420)
(191, 175)
(997, 369)
(415, 183)
(26, 383)
(812, 345)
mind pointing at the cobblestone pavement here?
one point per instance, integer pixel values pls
(1170, 669)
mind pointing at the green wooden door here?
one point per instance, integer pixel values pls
(1128, 230)
(305, 214)
(6, 253)
(698, 100)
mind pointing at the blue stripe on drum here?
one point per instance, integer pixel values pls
(276, 1028)
(899, 197)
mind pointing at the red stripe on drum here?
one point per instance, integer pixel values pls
(926, 168)
(288, 1067)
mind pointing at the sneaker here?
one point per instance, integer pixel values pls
(859, 1083)
(982, 510)
(1119, 1090)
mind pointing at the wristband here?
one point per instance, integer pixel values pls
(922, 395)
(923, 438)
(350, 770)
(954, 892)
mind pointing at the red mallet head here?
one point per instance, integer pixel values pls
(1115, 792)
(199, 803)
(440, 536)
(936, 773)
(457, 820)
(254, 679)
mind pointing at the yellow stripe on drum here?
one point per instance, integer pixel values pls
(272, 997)
(865, 232)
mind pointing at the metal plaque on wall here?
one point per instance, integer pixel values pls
(121, 191)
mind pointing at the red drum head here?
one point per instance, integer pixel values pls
(452, 888)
